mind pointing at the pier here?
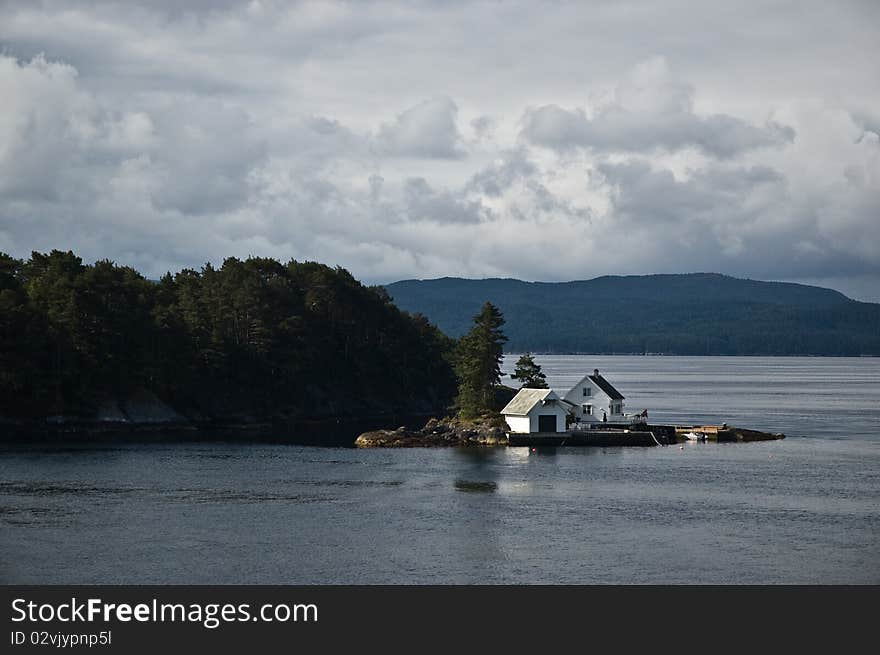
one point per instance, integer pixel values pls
(642, 435)
(603, 438)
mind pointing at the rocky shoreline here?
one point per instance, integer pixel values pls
(745, 435)
(492, 432)
(144, 425)
(338, 431)
(443, 432)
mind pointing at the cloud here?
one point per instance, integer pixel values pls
(45, 124)
(420, 139)
(716, 211)
(427, 130)
(423, 203)
(651, 110)
(644, 195)
(483, 127)
(735, 219)
(502, 173)
(869, 122)
(205, 158)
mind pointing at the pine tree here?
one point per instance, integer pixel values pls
(253, 338)
(479, 362)
(529, 373)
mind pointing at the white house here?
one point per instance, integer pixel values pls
(592, 400)
(535, 410)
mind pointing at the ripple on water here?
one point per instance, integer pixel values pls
(24, 488)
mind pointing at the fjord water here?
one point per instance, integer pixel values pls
(802, 510)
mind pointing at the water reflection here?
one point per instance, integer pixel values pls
(467, 485)
(802, 510)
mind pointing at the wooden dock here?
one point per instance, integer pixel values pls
(645, 435)
(603, 438)
(725, 433)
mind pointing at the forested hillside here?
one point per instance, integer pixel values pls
(252, 339)
(696, 314)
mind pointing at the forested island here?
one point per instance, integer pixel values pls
(253, 342)
(692, 314)
(300, 348)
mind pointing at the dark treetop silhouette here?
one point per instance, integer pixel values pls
(253, 339)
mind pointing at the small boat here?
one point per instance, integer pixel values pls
(695, 436)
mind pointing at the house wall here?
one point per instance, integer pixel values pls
(597, 398)
(539, 409)
(518, 423)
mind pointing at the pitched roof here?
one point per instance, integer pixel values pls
(563, 401)
(606, 386)
(522, 403)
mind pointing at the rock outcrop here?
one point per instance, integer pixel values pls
(721, 433)
(745, 434)
(446, 432)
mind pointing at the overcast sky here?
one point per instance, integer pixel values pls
(543, 141)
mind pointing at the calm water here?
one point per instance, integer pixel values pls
(806, 509)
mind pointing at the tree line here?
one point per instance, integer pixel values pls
(251, 339)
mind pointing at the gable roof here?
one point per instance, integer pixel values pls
(571, 405)
(521, 404)
(606, 386)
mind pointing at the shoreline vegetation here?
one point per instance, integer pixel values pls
(255, 349)
(90, 349)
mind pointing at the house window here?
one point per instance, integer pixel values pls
(588, 409)
(587, 391)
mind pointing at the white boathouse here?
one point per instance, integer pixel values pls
(591, 402)
(536, 410)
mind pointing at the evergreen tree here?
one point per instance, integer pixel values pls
(479, 362)
(23, 343)
(252, 339)
(529, 373)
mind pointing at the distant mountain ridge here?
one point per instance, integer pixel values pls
(684, 314)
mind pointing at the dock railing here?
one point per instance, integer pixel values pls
(614, 421)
